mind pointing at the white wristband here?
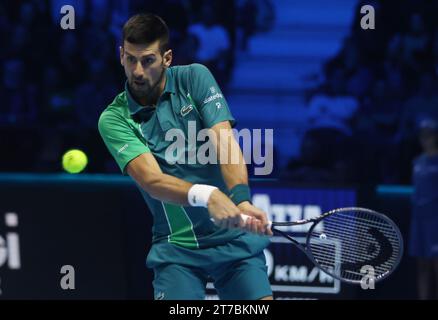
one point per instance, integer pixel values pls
(199, 194)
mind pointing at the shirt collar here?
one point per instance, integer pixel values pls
(134, 107)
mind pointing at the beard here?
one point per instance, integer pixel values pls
(142, 89)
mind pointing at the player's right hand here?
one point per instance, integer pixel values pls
(223, 211)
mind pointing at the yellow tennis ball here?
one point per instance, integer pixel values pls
(74, 161)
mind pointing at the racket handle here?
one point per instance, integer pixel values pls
(246, 217)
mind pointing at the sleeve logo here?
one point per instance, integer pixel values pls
(213, 97)
(122, 149)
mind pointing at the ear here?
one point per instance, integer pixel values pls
(167, 58)
(122, 52)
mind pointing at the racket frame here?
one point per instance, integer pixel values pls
(308, 251)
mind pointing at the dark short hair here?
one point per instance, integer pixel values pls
(146, 28)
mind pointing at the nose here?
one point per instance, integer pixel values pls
(138, 70)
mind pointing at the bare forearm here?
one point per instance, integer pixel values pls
(146, 172)
(167, 188)
(234, 174)
(232, 162)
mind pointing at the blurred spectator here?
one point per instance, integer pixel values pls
(371, 44)
(425, 101)
(332, 107)
(214, 44)
(50, 152)
(423, 242)
(254, 16)
(415, 43)
(4, 26)
(435, 53)
(186, 51)
(324, 158)
(18, 96)
(380, 110)
(327, 155)
(94, 95)
(377, 122)
(57, 101)
(70, 61)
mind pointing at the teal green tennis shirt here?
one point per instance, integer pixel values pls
(191, 94)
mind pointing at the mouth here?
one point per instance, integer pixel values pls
(139, 83)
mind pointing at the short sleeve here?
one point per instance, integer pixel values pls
(208, 97)
(122, 141)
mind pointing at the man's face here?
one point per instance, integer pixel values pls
(143, 66)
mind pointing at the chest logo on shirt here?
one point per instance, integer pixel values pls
(186, 110)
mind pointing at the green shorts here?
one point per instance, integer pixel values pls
(237, 269)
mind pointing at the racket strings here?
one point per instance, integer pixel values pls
(361, 245)
(355, 239)
(369, 248)
(354, 244)
(330, 262)
(358, 232)
(348, 257)
(340, 225)
(357, 221)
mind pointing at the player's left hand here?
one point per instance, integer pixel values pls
(258, 222)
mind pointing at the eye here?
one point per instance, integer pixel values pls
(148, 61)
(131, 59)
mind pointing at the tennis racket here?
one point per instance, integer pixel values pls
(349, 243)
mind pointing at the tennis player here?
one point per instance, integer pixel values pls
(198, 233)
